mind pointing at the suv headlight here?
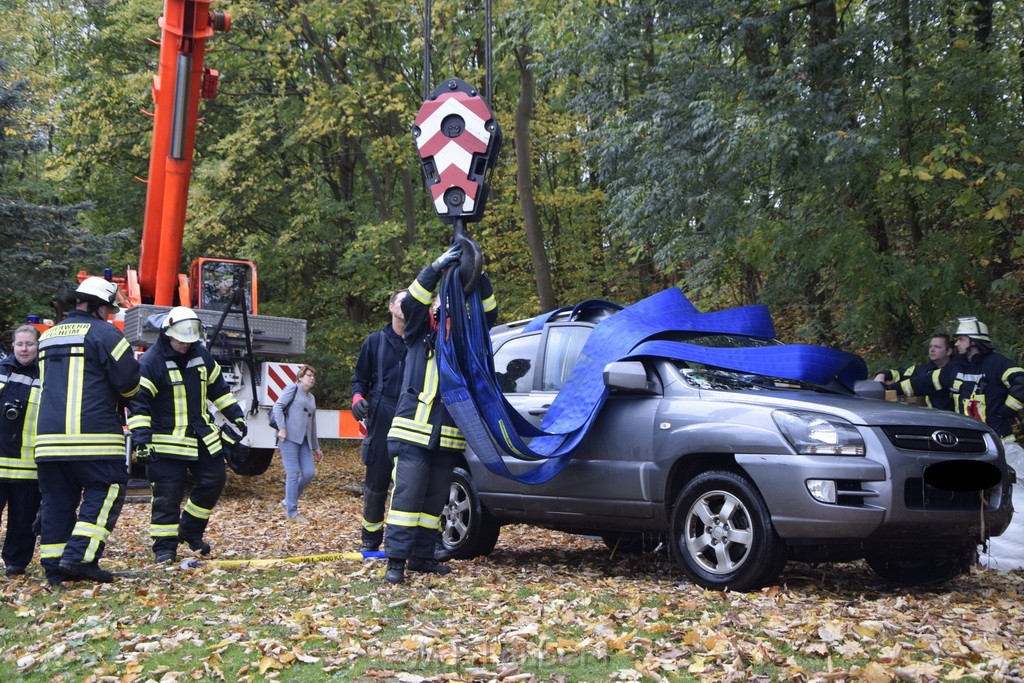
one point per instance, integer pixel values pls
(818, 434)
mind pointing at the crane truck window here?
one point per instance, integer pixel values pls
(220, 281)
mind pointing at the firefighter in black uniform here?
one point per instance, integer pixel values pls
(376, 383)
(988, 386)
(174, 432)
(19, 485)
(983, 384)
(86, 372)
(423, 438)
(940, 352)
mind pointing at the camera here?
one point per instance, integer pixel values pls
(12, 409)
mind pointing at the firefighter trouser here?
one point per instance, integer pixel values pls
(379, 469)
(21, 498)
(422, 484)
(167, 477)
(78, 533)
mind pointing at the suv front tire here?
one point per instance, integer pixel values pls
(722, 533)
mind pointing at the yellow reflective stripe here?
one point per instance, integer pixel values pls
(1013, 403)
(203, 380)
(66, 453)
(90, 530)
(77, 439)
(17, 463)
(489, 304)
(28, 434)
(211, 439)
(429, 521)
(420, 293)
(1009, 439)
(120, 348)
(1009, 373)
(175, 440)
(180, 401)
(139, 421)
(79, 445)
(936, 381)
(149, 385)
(225, 401)
(183, 446)
(399, 518)
(455, 444)
(19, 474)
(405, 424)
(163, 530)
(429, 392)
(412, 437)
(372, 526)
(196, 511)
(76, 385)
(906, 388)
(51, 550)
(214, 373)
(102, 521)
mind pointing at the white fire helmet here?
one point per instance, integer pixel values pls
(183, 324)
(97, 290)
(973, 328)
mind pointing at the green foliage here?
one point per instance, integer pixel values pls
(860, 181)
(42, 240)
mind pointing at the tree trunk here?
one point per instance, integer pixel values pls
(524, 181)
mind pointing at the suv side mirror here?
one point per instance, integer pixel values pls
(869, 388)
(627, 375)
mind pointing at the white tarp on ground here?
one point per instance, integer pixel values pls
(1006, 552)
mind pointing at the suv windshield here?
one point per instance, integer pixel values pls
(704, 376)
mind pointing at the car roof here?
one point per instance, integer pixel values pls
(590, 314)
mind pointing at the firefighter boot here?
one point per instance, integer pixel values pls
(428, 566)
(373, 509)
(197, 544)
(85, 571)
(395, 572)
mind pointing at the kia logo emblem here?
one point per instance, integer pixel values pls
(945, 439)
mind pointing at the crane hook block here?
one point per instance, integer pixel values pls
(458, 139)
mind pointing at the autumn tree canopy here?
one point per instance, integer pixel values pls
(856, 166)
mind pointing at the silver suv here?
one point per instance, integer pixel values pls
(736, 472)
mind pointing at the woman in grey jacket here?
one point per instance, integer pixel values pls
(295, 412)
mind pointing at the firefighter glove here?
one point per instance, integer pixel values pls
(242, 428)
(229, 435)
(447, 258)
(360, 407)
(143, 453)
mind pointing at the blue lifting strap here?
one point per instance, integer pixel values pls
(494, 429)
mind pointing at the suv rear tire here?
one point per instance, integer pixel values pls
(468, 529)
(722, 534)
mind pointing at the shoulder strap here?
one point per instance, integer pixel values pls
(381, 341)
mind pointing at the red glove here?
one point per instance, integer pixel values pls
(360, 407)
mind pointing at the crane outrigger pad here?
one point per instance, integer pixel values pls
(272, 337)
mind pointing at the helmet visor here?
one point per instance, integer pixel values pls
(185, 331)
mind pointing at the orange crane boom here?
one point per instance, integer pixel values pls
(180, 81)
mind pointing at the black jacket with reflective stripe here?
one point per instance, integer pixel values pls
(170, 411)
(17, 383)
(87, 371)
(988, 387)
(420, 416)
